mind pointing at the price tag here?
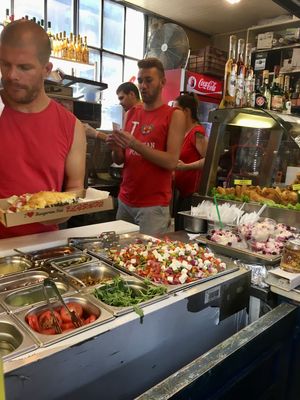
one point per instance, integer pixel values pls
(247, 182)
(296, 186)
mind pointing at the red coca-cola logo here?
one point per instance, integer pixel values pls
(210, 86)
(204, 84)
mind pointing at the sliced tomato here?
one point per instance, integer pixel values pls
(46, 319)
(32, 321)
(67, 326)
(65, 316)
(90, 319)
(50, 331)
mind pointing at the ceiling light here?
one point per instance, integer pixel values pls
(233, 1)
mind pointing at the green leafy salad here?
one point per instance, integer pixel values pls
(120, 294)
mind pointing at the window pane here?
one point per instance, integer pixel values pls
(90, 21)
(4, 5)
(134, 33)
(112, 75)
(130, 70)
(32, 8)
(113, 27)
(60, 13)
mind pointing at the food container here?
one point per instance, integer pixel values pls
(14, 264)
(25, 298)
(214, 225)
(193, 224)
(290, 260)
(14, 340)
(93, 274)
(89, 306)
(73, 260)
(136, 285)
(39, 257)
(23, 279)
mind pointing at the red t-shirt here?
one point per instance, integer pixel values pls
(33, 151)
(145, 184)
(187, 181)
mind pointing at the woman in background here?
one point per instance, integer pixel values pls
(191, 160)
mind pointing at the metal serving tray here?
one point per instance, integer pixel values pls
(23, 279)
(245, 255)
(89, 272)
(73, 260)
(29, 297)
(89, 304)
(39, 257)
(135, 284)
(127, 239)
(14, 264)
(14, 340)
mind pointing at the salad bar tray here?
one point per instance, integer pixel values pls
(245, 255)
(108, 254)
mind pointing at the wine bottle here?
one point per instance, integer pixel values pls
(230, 76)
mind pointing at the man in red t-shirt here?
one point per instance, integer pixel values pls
(42, 145)
(149, 147)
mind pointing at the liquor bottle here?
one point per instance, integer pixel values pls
(286, 96)
(71, 50)
(295, 97)
(229, 90)
(260, 100)
(276, 96)
(265, 90)
(249, 74)
(78, 48)
(7, 19)
(240, 79)
(85, 52)
(64, 46)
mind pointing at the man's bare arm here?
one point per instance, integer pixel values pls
(75, 162)
(166, 159)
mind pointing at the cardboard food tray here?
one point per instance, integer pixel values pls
(91, 200)
(241, 254)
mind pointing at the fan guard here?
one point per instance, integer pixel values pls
(170, 45)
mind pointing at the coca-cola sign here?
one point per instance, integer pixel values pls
(204, 85)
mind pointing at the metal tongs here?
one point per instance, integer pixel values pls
(55, 320)
(109, 238)
(74, 318)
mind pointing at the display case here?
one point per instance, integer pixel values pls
(252, 147)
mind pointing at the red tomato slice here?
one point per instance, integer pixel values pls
(50, 331)
(67, 326)
(46, 319)
(65, 316)
(90, 319)
(32, 321)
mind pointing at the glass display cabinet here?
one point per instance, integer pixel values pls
(251, 147)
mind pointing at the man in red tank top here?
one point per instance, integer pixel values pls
(42, 145)
(149, 147)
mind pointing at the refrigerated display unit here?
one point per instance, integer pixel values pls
(208, 90)
(253, 147)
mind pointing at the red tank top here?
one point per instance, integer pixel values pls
(33, 151)
(145, 184)
(187, 181)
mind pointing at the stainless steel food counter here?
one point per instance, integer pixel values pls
(123, 356)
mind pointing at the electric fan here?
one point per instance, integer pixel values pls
(170, 45)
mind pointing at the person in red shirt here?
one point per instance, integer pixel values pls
(149, 147)
(191, 160)
(128, 96)
(43, 146)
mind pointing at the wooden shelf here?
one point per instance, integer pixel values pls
(289, 46)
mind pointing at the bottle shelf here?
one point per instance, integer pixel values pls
(66, 60)
(278, 48)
